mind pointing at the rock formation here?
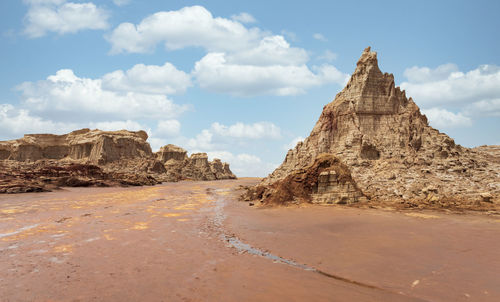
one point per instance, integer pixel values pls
(97, 147)
(197, 166)
(86, 157)
(392, 153)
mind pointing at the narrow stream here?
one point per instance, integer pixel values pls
(243, 247)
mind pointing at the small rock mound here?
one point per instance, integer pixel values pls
(327, 180)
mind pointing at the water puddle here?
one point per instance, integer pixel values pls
(247, 248)
(18, 230)
(243, 247)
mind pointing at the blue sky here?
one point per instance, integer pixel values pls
(241, 81)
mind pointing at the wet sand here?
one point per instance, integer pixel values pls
(192, 241)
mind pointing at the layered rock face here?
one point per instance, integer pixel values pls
(86, 157)
(391, 151)
(96, 146)
(326, 180)
(196, 167)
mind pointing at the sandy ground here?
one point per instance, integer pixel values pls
(191, 241)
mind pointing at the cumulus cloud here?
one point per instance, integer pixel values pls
(15, 122)
(121, 2)
(272, 50)
(67, 96)
(243, 164)
(320, 37)
(214, 73)
(154, 79)
(444, 119)
(117, 125)
(446, 85)
(484, 108)
(244, 18)
(328, 56)
(62, 17)
(189, 26)
(253, 131)
(168, 128)
(219, 135)
(293, 143)
(240, 61)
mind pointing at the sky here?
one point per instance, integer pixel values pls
(243, 81)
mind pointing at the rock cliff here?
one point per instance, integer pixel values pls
(392, 153)
(93, 146)
(196, 167)
(87, 157)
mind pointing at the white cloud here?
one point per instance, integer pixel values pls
(272, 50)
(240, 61)
(202, 141)
(189, 26)
(243, 164)
(320, 37)
(441, 118)
(153, 79)
(117, 125)
(16, 122)
(70, 97)
(168, 128)
(62, 17)
(293, 143)
(219, 135)
(328, 56)
(445, 85)
(417, 74)
(290, 35)
(121, 2)
(244, 18)
(484, 108)
(213, 72)
(253, 131)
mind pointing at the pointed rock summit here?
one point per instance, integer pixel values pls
(390, 151)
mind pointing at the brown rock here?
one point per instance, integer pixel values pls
(327, 180)
(93, 146)
(40, 162)
(391, 151)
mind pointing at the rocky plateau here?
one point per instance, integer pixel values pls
(42, 162)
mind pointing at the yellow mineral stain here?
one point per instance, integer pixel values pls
(182, 219)
(66, 248)
(28, 232)
(173, 214)
(10, 211)
(140, 226)
(109, 237)
(421, 215)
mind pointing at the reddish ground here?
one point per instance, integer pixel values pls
(165, 243)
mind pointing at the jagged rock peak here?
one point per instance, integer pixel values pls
(387, 144)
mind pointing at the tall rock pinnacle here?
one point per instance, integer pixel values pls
(381, 136)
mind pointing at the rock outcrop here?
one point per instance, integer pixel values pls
(326, 180)
(93, 146)
(196, 167)
(85, 157)
(393, 155)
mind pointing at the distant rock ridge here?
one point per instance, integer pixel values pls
(197, 166)
(93, 157)
(94, 146)
(393, 155)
